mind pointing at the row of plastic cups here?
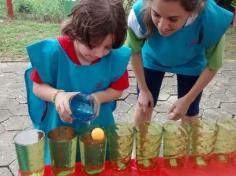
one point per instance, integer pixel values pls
(63, 146)
(213, 139)
(205, 139)
(63, 141)
(201, 139)
(147, 137)
(30, 145)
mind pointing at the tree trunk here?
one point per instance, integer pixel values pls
(9, 7)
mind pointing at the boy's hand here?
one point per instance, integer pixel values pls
(62, 105)
(145, 100)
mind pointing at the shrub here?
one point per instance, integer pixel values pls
(23, 6)
(49, 10)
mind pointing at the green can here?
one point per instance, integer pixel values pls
(29, 146)
(63, 144)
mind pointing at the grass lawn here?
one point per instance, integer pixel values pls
(16, 34)
(2, 8)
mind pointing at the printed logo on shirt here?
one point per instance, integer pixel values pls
(192, 43)
(99, 85)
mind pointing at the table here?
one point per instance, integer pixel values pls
(189, 169)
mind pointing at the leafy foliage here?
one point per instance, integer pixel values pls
(49, 10)
(44, 10)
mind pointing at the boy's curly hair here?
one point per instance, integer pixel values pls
(92, 20)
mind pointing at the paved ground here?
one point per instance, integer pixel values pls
(219, 100)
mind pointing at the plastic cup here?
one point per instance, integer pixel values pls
(62, 144)
(120, 141)
(225, 144)
(84, 107)
(203, 138)
(148, 142)
(30, 152)
(175, 143)
(92, 153)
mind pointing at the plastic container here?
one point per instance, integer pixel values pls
(84, 107)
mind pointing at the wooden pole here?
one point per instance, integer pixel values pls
(9, 6)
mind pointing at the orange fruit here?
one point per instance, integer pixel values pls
(97, 134)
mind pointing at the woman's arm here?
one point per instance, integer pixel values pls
(137, 67)
(215, 59)
(205, 77)
(145, 99)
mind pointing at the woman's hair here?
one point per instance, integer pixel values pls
(188, 5)
(92, 20)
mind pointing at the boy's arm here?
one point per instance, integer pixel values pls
(47, 93)
(114, 91)
(44, 91)
(59, 97)
(107, 95)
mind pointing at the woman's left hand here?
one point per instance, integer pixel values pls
(179, 108)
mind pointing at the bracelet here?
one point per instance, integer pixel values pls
(55, 95)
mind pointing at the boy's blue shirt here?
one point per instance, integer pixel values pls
(184, 51)
(56, 69)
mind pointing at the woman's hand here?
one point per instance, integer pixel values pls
(62, 105)
(145, 100)
(179, 108)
